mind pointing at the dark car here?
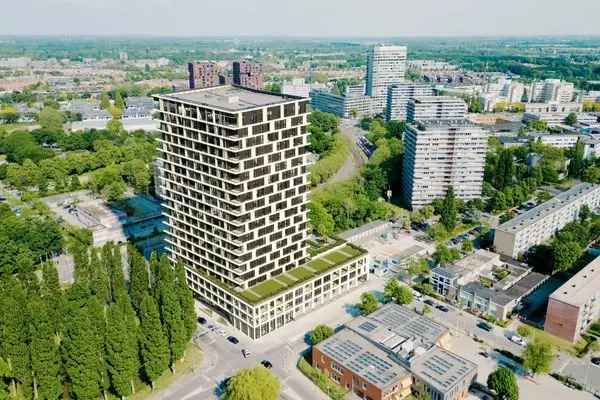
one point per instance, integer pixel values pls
(484, 354)
(233, 339)
(429, 302)
(442, 308)
(201, 320)
(595, 361)
(485, 326)
(222, 387)
(267, 364)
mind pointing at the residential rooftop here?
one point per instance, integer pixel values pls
(437, 99)
(317, 266)
(399, 330)
(581, 287)
(442, 369)
(229, 97)
(501, 294)
(544, 210)
(432, 124)
(357, 354)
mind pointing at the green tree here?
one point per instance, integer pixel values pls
(416, 267)
(105, 101)
(100, 280)
(444, 255)
(524, 331)
(52, 295)
(449, 212)
(139, 278)
(121, 349)
(186, 301)
(320, 333)
(320, 219)
(119, 102)
(9, 115)
(571, 119)
(51, 119)
(538, 356)
(398, 293)
(14, 335)
(565, 254)
(256, 383)
(97, 313)
(504, 382)
(466, 246)
(368, 304)
(46, 363)
(170, 311)
(81, 356)
(153, 342)
(375, 181)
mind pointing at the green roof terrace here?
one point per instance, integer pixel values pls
(318, 266)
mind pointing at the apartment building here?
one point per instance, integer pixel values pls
(248, 74)
(204, 74)
(553, 106)
(551, 90)
(575, 305)
(234, 170)
(347, 106)
(559, 140)
(439, 155)
(513, 238)
(559, 118)
(445, 108)
(383, 355)
(386, 66)
(398, 96)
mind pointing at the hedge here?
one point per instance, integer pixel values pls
(326, 384)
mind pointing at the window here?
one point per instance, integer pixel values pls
(252, 117)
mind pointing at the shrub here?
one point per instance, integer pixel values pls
(328, 386)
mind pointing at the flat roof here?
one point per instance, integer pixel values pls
(229, 97)
(582, 286)
(442, 369)
(363, 228)
(502, 297)
(438, 99)
(432, 124)
(472, 262)
(319, 265)
(363, 358)
(398, 329)
(543, 210)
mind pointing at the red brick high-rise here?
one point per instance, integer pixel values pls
(248, 74)
(204, 74)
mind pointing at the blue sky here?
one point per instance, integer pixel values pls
(302, 17)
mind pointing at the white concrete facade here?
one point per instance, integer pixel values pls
(398, 96)
(515, 237)
(441, 108)
(386, 66)
(439, 155)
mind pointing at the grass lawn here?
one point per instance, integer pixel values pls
(193, 357)
(319, 264)
(301, 273)
(285, 278)
(560, 344)
(268, 288)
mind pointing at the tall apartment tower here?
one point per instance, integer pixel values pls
(204, 74)
(441, 108)
(439, 155)
(399, 95)
(386, 66)
(234, 171)
(248, 74)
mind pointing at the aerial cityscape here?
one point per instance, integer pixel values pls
(263, 201)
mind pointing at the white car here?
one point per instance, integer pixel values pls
(417, 295)
(222, 332)
(518, 340)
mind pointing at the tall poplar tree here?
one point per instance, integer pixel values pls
(186, 301)
(153, 341)
(81, 355)
(53, 295)
(139, 279)
(14, 335)
(100, 284)
(46, 363)
(96, 311)
(121, 348)
(170, 311)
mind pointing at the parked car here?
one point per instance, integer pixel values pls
(267, 364)
(518, 340)
(246, 353)
(222, 387)
(417, 295)
(442, 308)
(201, 320)
(430, 302)
(485, 326)
(595, 361)
(484, 354)
(233, 339)
(222, 332)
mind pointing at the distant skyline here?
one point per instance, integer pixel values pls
(322, 18)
